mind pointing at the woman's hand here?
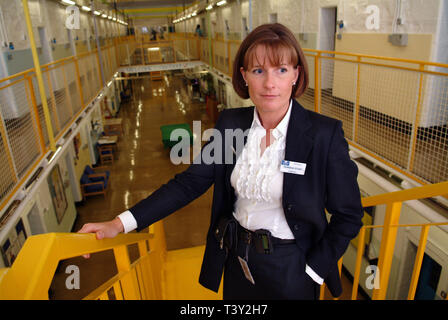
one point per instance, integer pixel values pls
(108, 229)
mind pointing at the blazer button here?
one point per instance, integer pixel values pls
(289, 208)
(296, 227)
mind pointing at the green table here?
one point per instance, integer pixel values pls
(166, 133)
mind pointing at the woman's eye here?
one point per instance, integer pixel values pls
(283, 70)
(257, 71)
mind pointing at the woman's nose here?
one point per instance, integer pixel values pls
(269, 80)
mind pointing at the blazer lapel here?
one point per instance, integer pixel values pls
(298, 144)
(243, 122)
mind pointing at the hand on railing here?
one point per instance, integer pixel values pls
(107, 229)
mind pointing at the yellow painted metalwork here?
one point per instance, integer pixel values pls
(33, 104)
(387, 248)
(53, 102)
(359, 254)
(316, 81)
(358, 92)
(426, 191)
(7, 150)
(39, 75)
(417, 62)
(129, 280)
(418, 262)
(417, 118)
(33, 270)
(144, 278)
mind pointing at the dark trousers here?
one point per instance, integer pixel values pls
(278, 276)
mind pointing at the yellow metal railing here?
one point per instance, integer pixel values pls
(71, 83)
(393, 202)
(143, 279)
(392, 109)
(33, 270)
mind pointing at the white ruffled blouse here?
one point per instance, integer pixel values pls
(258, 181)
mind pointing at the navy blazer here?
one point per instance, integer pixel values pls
(329, 183)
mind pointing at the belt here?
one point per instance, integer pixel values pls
(262, 239)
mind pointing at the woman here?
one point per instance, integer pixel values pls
(268, 229)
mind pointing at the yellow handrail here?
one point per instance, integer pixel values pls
(426, 191)
(22, 283)
(31, 273)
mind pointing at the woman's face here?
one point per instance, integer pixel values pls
(270, 86)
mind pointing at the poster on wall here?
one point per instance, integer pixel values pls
(57, 193)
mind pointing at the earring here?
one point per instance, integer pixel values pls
(294, 83)
(246, 84)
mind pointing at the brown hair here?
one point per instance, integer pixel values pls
(277, 39)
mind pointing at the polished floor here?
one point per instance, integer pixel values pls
(143, 164)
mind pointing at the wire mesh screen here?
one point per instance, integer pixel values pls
(430, 159)
(338, 91)
(63, 108)
(307, 98)
(73, 90)
(7, 174)
(387, 108)
(21, 138)
(51, 103)
(83, 79)
(92, 64)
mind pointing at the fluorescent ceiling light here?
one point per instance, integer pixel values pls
(97, 13)
(68, 2)
(220, 3)
(209, 7)
(154, 49)
(104, 15)
(86, 8)
(194, 14)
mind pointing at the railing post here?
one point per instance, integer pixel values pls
(416, 123)
(146, 278)
(418, 262)
(129, 281)
(53, 101)
(29, 84)
(8, 149)
(359, 254)
(356, 108)
(387, 248)
(39, 75)
(316, 82)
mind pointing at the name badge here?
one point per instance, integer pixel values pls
(293, 167)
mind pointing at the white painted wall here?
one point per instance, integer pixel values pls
(52, 15)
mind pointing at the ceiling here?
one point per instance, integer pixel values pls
(144, 9)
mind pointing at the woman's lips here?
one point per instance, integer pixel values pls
(269, 96)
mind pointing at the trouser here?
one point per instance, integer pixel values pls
(277, 275)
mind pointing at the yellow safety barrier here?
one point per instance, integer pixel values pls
(33, 270)
(74, 81)
(393, 202)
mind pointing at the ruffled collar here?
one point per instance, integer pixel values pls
(255, 172)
